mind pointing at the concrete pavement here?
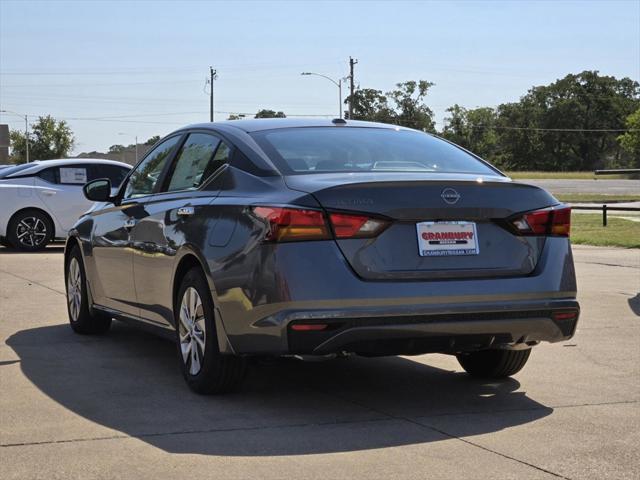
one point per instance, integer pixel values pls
(116, 406)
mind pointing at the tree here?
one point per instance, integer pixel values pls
(117, 148)
(49, 138)
(568, 124)
(630, 141)
(474, 130)
(402, 106)
(152, 140)
(411, 111)
(233, 116)
(370, 105)
(269, 114)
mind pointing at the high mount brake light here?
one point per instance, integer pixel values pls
(554, 221)
(292, 224)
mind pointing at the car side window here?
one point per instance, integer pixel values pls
(49, 175)
(66, 175)
(146, 175)
(201, 155)
(115, 173)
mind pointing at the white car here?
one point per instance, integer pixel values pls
(40, 201)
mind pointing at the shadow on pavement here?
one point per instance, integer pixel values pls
(129, 381)
(634, 304)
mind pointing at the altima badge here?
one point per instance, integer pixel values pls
(450, 196)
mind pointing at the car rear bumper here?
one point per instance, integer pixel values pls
(433, 332)
(311, 283)
(413, 329)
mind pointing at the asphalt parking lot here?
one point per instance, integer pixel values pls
(116, 406)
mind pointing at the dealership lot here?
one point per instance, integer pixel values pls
(116, 406)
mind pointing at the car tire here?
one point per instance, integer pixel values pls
(30, 230)
(83, 320)
(205, 370)
(494, 363)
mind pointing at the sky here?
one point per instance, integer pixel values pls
(119, 70)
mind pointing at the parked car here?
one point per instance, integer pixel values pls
(318, 237)
(40, 201)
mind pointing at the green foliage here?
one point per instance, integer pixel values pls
(630, 141)
(152, 140)
(403, 106)
(586, 102)
(472, 129)
(48, 139)
(117, 148)
(269, 114)
(587, 229)
(234, 116)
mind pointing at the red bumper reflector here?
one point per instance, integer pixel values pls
(308, 327)
(565, 315)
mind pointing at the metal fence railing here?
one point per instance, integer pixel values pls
(605, 209)
(618, 171)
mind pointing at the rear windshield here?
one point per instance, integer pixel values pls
(5, 172)
(335, 149)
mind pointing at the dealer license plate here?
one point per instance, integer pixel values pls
(438, 239)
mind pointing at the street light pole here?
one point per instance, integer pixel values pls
(26, 131)
(337, 83)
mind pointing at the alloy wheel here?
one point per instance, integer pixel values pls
(192, 330)
(74, 289)
(31, 232)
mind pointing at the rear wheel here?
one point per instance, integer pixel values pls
(494, 363)
(30, 230)
(205, 370)
(81, 318)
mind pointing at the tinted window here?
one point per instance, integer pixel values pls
(146, 175)
(331, 149)
(49, 175)
(114, 173)
(197, 161)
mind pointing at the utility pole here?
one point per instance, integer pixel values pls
(213, 75)
(352, 62)
(26, 137)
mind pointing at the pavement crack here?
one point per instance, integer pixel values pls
(32, 281)
(477, 445)
(192, 432)
(490, 450)
(609, 264)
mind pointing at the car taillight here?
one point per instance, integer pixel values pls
(549, 221)
(290, 224)
(355, 226)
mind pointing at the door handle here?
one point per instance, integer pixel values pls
(129, 223)
(48, 193)
(186, 211)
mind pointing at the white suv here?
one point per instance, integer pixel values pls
(40, 201)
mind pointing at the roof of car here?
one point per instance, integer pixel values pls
(38, 165)
(66, 161)
(257, 124)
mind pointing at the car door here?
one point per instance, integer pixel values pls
(175, 216)
(111, 236)
(60, 189)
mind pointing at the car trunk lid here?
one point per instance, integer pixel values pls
(409, 199)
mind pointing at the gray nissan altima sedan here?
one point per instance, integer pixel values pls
(320, 238)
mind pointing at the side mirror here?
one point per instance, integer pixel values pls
(98, 190)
